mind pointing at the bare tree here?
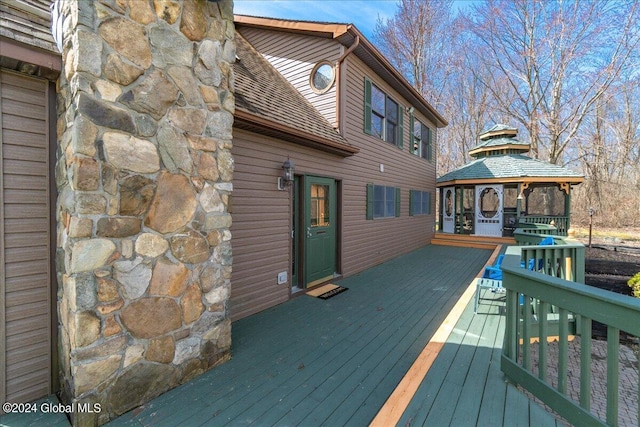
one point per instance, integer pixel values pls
(564, 71)
(426, 43)
(609, 148)
(415, 40)
(558, 58)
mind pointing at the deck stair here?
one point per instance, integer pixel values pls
(471, 240)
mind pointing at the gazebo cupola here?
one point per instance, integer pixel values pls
(498, 141)
(503, 187)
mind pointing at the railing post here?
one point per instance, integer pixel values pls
(543, 314)
(526, 333)
(563, 348)
(511, 326)
(585, 363)
(613, 369)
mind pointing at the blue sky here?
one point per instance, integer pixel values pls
(364, 14)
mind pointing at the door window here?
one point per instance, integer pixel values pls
(319, 205)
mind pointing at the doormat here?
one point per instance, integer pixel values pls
(326, 291)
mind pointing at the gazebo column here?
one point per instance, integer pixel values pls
(459, 210)
(519, 203)
(567, 206)
(440, 210)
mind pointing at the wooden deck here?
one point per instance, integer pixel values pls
(335, 362)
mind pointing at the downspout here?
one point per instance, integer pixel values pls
(340, 89)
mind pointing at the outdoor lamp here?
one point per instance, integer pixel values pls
(287, 180)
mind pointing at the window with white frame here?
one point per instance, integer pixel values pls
(383, 117)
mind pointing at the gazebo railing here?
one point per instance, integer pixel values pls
(533, 228)
(560, 222)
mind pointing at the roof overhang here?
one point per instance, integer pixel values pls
(481, 148)
(318, 29)
(250, 122)
(346, 35)
(574, 180)
(50, 62)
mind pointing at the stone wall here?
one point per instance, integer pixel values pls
(144, 170)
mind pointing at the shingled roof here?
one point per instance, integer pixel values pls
(500, 158)
(267, 102)
(510, 168)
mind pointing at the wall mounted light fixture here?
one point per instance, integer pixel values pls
(286, 181)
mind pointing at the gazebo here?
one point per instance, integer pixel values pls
(503, 187)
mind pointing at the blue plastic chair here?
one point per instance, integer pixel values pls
(494, 272)
(547, 241)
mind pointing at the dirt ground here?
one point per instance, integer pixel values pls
(609, 265)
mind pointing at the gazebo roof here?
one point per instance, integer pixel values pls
(500, 158)
(500, 142)
(510, 168)
(499, 139)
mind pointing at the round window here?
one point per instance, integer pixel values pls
(322, 77)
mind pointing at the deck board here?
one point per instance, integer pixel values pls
(354, 348)
(465, 385)
(336, 362)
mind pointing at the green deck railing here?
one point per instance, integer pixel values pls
(560, 222)
(531, 228)
(554, 288)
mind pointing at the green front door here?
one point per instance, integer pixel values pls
(320, 229)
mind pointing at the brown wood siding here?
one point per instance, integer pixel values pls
(262, 214)
(294, 56)
(370, 242)
(24, 233)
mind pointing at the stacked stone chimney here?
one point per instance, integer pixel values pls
(144, 170)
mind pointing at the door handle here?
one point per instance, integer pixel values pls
(308, 231)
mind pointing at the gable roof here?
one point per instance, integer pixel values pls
(510, 168)
(267, 103)
(347, 34)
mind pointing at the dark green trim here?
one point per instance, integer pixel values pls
(367, 106)
(412, 142)
(411, 195)
(369, 201)
(400, 126)
(397, 201)
(429, 144)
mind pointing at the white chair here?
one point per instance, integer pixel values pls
(483, 283)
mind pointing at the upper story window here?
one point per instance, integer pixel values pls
(322, 77)
(382, 115)
(421, 140)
